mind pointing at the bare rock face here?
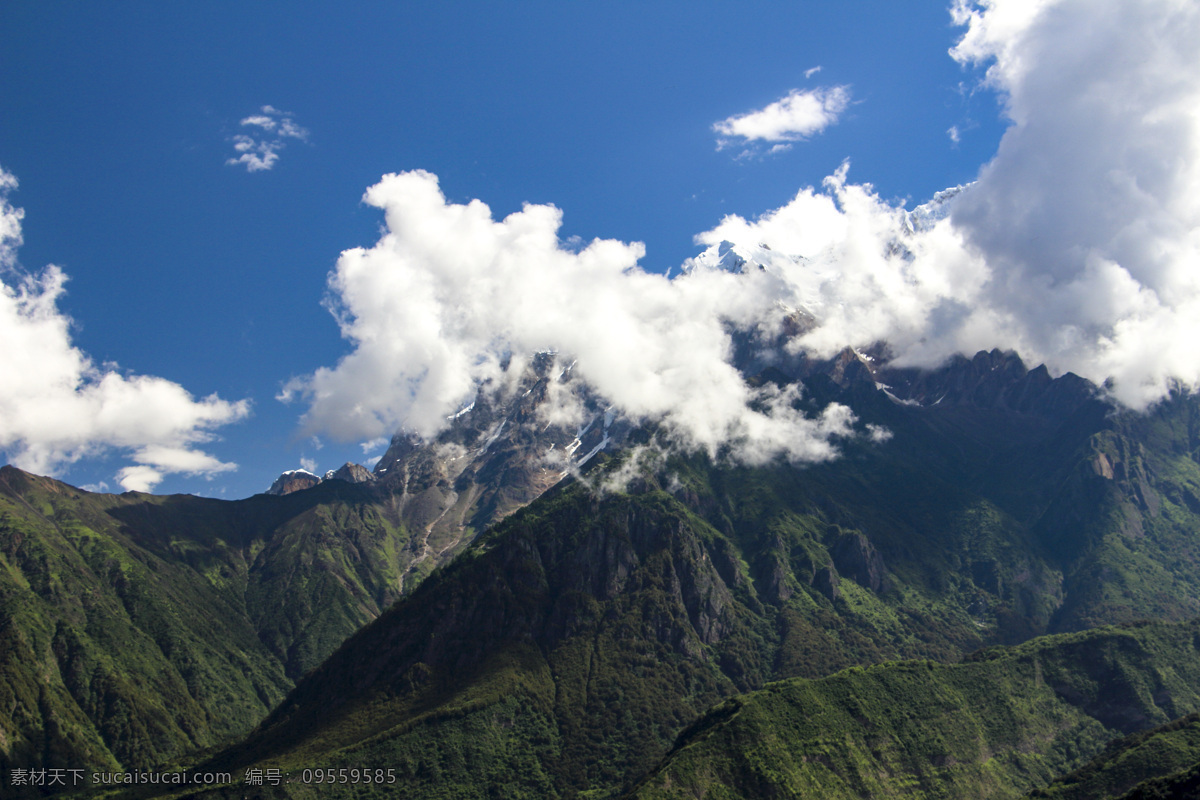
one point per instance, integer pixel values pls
(498, 454)
(856, 558)
(351, 473)
(294, 480)
(825, 581)
(527, 431)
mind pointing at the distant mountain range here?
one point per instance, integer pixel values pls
(567, 647)
(475, 619)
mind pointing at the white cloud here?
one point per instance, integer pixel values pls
(847, 258)
(262, 153)
(878, 434)
(1078, 245)
(448, 296)
(375, 444)
(309, 464)
(799, 115)
(10, 222)
(1089, 214)
(139, 478)
(57, 405)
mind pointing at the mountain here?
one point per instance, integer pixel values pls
(995, 725)
(297, 480)
(351, 473)
(201, 613)
(552, 639)
(1143, 764)
(498, 453)
(293, 480)
(561, 653)
(137, 628)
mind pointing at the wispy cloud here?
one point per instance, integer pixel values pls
(259, 150)
(799, 115)
(57, 405)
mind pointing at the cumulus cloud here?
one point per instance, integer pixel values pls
(857, 266)
(1089, 214)
(799, 115)
(450, 299)
(57, 405)
(271, 129)
(1078, 245)
(374, 444)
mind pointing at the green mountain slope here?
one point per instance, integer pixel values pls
(135, 628)
(1184, 785)
(993, 726)
(564, 650)
(1147, 758)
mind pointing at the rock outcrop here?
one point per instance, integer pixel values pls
(294, 480)
(351, 473)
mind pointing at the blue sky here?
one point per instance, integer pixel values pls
(119, 121)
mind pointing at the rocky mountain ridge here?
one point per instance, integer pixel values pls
(297, 480)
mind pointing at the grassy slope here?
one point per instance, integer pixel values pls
(995, 725)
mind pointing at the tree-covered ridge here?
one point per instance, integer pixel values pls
(138, 628)
(1160, 756)
(996, 725)
(564, 650)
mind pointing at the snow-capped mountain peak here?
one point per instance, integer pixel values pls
(738, 259)
(925, 216)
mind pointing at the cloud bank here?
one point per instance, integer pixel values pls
(1078, 245)
(450, 299)
(271, 128)
(799, 115)
(57, 405)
